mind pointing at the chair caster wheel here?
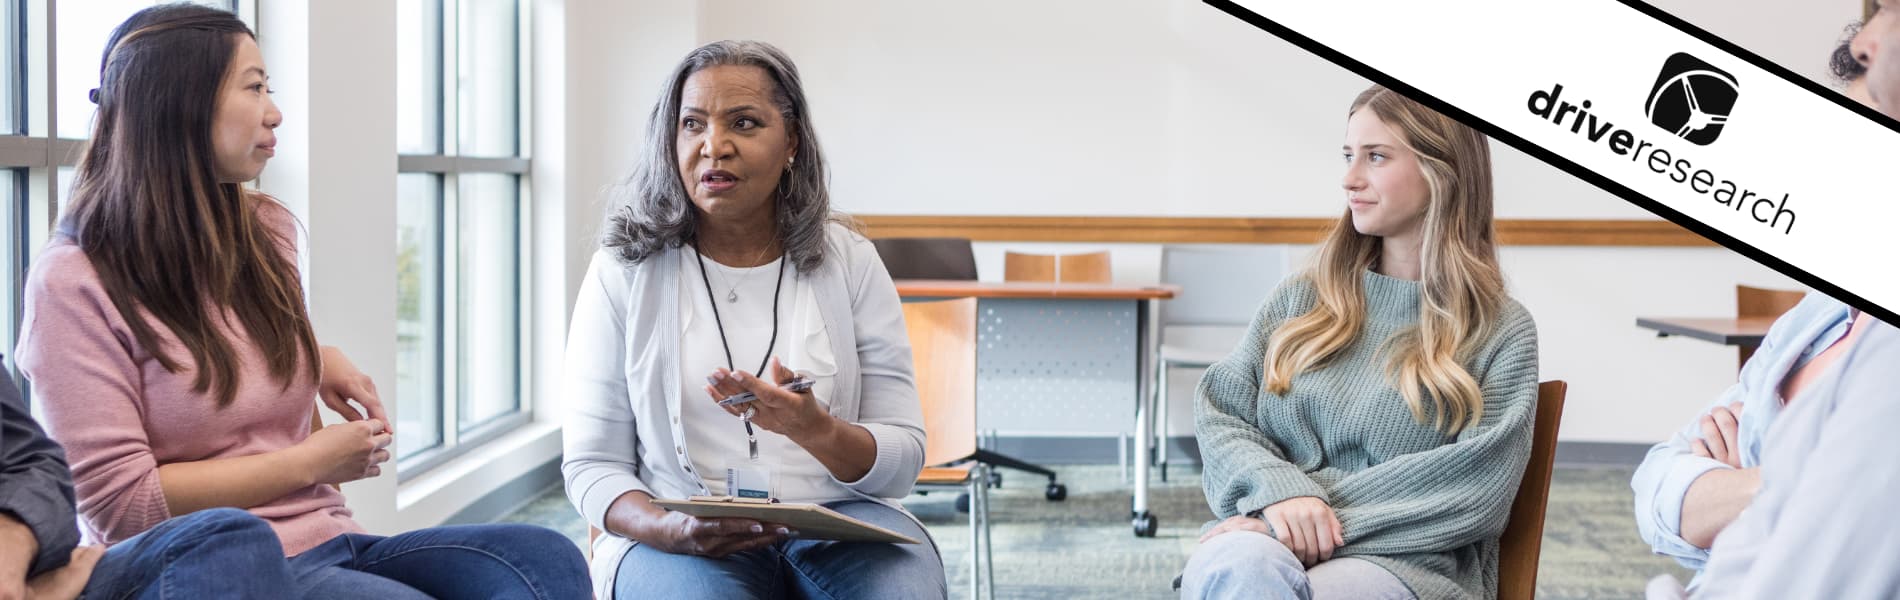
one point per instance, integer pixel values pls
(963, 503)
(1056, 492)
(1145, 525)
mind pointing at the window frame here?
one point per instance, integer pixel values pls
(447, 165)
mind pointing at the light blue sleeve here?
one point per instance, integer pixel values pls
(1834, 533)
(1663, 479)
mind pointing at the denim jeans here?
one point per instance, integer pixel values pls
(1248, 564)
(462, 561)
(216, 553)
(796, 568)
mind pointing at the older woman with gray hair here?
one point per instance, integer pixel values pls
(723, 270)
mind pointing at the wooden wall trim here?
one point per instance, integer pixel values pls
(1255, 230)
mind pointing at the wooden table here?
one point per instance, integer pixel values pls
(1146, 328)
(942, 288)
(1745, 331)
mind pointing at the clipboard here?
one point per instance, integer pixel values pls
(811, 521)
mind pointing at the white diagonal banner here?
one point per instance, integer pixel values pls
(1710, 139)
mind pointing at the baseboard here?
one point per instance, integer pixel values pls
(1101, 450)
(1088, 450)
(510, 497)
(1601, 454)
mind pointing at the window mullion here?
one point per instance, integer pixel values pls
(247, 11)
(524, 303)
(451, 65)
(524, 98)
(40, 50)
(448, 73)
(17, 229)
(16, 70)
(524, 221)
(451, 313)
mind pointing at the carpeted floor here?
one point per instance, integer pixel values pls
(1083, 547)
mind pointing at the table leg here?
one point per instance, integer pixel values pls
(1161, 418)
(979, 479)
(1147, 333)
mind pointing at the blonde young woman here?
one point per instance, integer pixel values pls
(1366, 439)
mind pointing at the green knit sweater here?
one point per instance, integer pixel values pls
(1426, 506)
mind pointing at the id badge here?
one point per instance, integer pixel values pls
(749, 480)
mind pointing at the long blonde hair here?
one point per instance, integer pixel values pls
(1461, 287)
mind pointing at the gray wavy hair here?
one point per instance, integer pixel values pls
(650, 211)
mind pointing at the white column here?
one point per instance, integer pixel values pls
(331, 62)
(552, 283)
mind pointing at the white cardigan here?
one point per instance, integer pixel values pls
(621, 383)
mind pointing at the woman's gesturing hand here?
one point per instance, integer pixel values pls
(795, 415)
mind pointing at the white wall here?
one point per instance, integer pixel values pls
(1128, 107)
(617, 56)
(985, 107)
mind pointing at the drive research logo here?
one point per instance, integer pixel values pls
(1691, 99)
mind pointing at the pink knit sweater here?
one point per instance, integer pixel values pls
(120, 414)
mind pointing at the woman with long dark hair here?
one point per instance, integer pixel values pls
(167, 336)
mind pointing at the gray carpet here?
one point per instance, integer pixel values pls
(1083, 547)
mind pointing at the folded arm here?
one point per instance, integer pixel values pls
(1460, 493)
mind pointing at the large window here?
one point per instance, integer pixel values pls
(461, 197)
(49, 60)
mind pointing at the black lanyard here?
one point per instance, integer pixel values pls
(752, 440)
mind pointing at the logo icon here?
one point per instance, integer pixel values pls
(1691, 99)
